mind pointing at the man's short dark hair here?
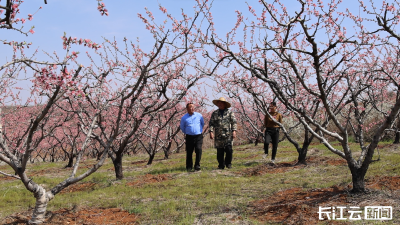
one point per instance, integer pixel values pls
(273, 103)
(190, 103)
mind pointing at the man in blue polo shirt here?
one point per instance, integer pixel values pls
(192, 124)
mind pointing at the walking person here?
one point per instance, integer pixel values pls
(272, 131)
(223, 128)
(192, 124)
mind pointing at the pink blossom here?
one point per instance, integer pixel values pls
(164, 10)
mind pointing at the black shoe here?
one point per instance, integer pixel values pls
(197, 168)
(220, 168)
(189, 169)
(229, 166)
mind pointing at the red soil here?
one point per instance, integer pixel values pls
(79, 187)
(139, 162)
(2, 177)
(320, 160)
(148, 179)
(269, 168)
(299, 206)
(88, 216)
(384, 183)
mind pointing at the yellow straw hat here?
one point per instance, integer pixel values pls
(222, 99)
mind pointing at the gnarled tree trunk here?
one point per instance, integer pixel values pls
(70, 161)
(151, 159)
(167, 150)
(358, 179)
(42, 199)
(302, 155)
(117, 161)
(397, 136)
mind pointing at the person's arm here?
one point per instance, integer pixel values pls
(233, 125)
(280, 118)
(182, 125)
(201, 123)
(211, 126)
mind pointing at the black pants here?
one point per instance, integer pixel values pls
(193, 142)
(228, 157)
(271, 136)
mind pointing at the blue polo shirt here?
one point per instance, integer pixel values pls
(192, 124)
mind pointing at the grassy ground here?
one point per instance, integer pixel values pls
(164, 193)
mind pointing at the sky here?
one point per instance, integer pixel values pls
(81, 19)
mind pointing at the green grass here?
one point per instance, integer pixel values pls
(183, 198)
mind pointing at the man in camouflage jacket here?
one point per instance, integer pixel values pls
(223, 125)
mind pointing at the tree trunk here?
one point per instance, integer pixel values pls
(42, 199)
(70, 161)
(301, 160)
(118, 167)
(166, 154)
(358, 181)
(397, 138)
(44, 158)
(178, 147)
(151, 159)
(167, 150)
(259, 139)
(99, 153)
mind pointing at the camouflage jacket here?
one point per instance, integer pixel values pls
(222, 127)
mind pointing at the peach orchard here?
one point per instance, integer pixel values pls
(123, 100)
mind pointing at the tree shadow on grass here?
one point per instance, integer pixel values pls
(257, 169)
(251, 164)
(168, 170)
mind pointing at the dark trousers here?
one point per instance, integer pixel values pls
(228, 157)
(193, 142)
(271, 136)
